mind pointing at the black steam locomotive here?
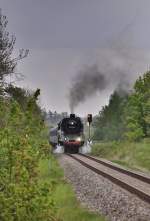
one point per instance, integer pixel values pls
(69, 134)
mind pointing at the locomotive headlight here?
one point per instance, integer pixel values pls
(66, 138)
(78, 139)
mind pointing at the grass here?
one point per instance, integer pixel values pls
(131, 155)
(68, 208)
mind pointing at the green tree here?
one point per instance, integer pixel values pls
(22, 196)
(18, 94)
(110, 125)
(138, 109)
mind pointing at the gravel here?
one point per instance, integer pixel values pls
(100, 195)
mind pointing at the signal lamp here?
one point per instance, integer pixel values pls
(89, 118)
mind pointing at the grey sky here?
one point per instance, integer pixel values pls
(65, 35)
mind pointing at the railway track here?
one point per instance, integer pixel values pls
(136, 183)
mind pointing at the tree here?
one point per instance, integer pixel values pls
(19, 94)
(133, 118)
(23, 144)
(110, 125)
(7, 42)
(138, 109)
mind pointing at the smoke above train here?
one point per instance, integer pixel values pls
(85, 84)
(112, 69)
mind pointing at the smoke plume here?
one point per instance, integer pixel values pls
(114, 69)
(86, 83)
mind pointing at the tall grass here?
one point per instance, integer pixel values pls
(133, 155)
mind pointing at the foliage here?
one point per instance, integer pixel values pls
(137, 113)
(109, 124)
(22, 145)
(127, 116)
(20, 95)
(134, 155)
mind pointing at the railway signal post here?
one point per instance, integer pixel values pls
(89, 119)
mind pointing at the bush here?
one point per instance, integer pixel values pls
(22, 145)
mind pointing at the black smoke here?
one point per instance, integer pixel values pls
(86, 83)
(115, 69)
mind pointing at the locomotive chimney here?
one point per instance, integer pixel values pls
(72, 115)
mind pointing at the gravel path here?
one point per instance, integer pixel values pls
(100, 195)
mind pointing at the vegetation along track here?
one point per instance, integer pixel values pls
(134, 182)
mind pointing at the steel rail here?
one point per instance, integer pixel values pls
(126, 185)
(134, 174)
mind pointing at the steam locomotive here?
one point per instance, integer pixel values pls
(69, 134)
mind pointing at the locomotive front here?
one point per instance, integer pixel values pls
(71, 134)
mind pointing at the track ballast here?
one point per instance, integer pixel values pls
(134, 182)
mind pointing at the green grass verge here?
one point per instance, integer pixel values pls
(68, 208)
(131, 155)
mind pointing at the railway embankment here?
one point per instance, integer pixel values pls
(128, 154)
(101, 195)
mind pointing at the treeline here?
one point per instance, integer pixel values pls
(127, 116)
(23, 143)
(53, 118)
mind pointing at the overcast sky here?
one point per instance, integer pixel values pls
(63, 36)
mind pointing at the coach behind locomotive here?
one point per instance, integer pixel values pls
(69, 134)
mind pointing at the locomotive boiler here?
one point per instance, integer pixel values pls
(69, 133)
